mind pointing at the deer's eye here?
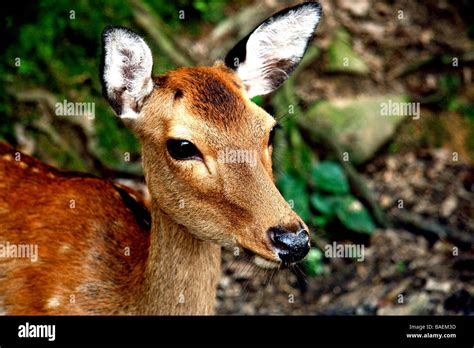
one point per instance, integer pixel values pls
(183, 150)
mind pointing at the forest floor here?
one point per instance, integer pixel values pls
(406, 271)
(424, 262)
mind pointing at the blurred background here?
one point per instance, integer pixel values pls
(401, 187)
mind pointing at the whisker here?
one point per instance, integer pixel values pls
(228, 266)
(279, 117)
(246, 286)
(300, 273)
(284, 118)
(272, 274)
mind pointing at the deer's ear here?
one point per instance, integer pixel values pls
(125, 71)
(264, 59)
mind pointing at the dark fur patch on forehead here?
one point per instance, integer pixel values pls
(209, 92)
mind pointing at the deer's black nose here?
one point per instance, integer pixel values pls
(290, 246)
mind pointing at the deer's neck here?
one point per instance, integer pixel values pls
(182, 272)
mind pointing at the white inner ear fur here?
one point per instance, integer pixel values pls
(283, 38)
(127, 71)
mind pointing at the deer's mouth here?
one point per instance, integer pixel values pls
(261, 261)
(265, 263)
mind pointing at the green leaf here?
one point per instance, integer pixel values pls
(401, 266)
(325, 204)
(329, 177)
(354, 216)
(320, 221)
(313, 262)
(294, 189)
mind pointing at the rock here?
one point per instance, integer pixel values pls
(342, 57)
(357, 123)
(386, 201)
(391, 163)
(449, 205)
(248, 309)
(397, 290)
(358, 8)
(375, 30)
(443, 247)
(224, 282)
(418, 304)
(435, 285)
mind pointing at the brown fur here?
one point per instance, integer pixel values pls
(209, 92)
(81, 249)
(174, 267)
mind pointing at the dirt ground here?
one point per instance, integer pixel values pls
(433, 274)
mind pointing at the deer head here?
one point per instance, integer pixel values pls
(206, 147)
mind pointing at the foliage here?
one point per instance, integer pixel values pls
(313, 263)
(211, 11)
(55, 46)
(326, 198)
(332, 199)
(329, 177)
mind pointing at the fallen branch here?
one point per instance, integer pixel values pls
(227, 33)
(430, 229)
(46, 102)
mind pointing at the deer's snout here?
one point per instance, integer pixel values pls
(291, 246)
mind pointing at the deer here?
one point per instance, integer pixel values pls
(101, 248)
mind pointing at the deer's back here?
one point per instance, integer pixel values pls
(91, 236)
